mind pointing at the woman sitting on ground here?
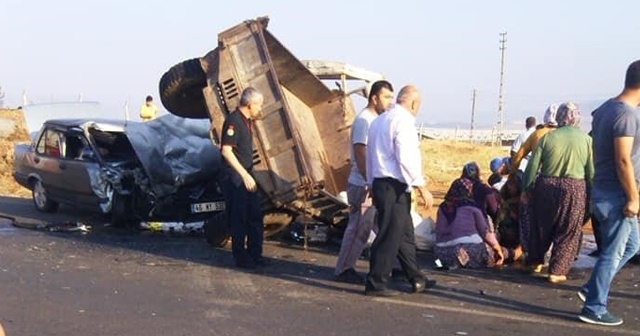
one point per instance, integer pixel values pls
(464, 237)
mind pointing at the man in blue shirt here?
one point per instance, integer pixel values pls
(615, 201)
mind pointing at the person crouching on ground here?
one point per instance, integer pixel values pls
(508, 226)
(463, 235)
(483, 194)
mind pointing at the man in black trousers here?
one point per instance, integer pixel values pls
(394, 167)
(243, 198)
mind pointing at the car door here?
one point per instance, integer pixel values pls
(79, 169)
(46, 163)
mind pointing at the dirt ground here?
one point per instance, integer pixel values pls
(442, 161)
(7, 141)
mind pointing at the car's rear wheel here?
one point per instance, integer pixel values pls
(216, 229)
(41, 200)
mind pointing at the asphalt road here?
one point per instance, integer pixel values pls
(109, 282)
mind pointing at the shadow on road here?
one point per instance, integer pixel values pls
(290, 262)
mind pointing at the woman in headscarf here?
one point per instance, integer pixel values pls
(485, 196)
(464, 237)
(558, 194)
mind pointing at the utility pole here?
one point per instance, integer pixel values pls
(500, 128)
(2, 95)
(473, 114)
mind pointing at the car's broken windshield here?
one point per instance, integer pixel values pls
(112, 145)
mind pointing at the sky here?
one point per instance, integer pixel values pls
(116, 51)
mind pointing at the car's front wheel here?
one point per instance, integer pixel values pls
(122, 211)
(41, 200)
(216, 229)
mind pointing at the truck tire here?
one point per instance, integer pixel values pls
(181, 90)
(121, 211)
(216, 230)
(275, 222)
(40, 199)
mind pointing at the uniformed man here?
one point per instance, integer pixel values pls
(243, 199)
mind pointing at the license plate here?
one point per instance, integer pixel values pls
(207, 207)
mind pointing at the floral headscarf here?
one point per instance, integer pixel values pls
(568, 115)
(460, 194)
(480, 190)
(471, 171)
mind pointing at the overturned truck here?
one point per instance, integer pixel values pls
(301, 145)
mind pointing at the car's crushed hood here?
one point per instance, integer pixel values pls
(174, 152)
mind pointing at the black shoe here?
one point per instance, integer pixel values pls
(381, 292)
(421, 285)
(262, 262)
(248, 265)
(350, 276)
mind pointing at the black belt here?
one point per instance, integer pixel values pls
(391, 180)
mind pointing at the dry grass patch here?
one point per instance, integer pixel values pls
(8, 187)
(442, 161)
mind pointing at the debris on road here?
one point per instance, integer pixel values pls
(173, 227)
(65, 226)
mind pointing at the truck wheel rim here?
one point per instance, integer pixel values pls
(39, 195)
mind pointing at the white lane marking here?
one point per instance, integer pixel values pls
(521, 318)
(7, 230)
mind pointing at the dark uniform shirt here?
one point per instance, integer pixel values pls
(237, 132)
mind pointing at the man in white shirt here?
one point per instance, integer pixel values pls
(530, 124)
(394, 168)
(358, 230)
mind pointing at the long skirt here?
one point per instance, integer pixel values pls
(467, 255)
(558, 212)
(525, 224)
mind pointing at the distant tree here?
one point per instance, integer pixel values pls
(2, 95)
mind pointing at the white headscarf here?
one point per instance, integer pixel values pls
(550, 115)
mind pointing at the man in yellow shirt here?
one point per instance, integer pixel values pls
(149, 110)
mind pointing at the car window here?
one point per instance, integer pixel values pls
(53, 143)
(74, 144)
(41, 141)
